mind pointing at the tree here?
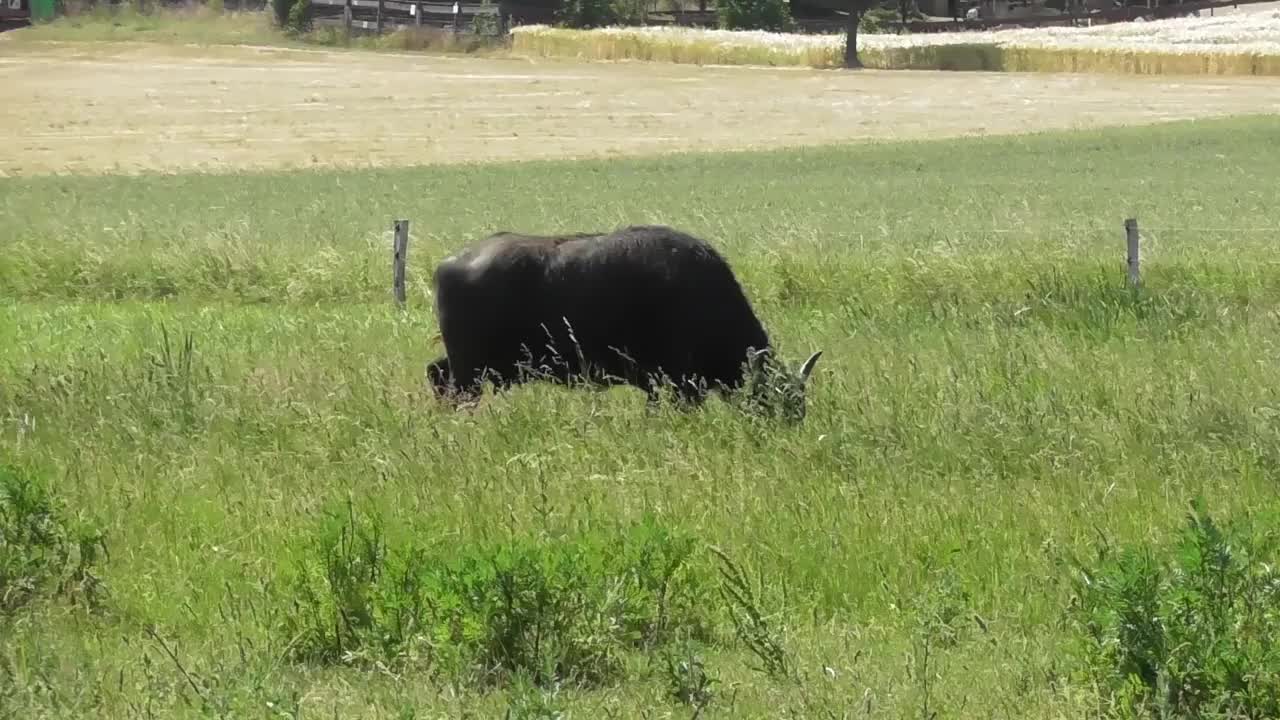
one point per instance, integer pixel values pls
(905, 8)
(856, 9)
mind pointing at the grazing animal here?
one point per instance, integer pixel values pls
(642, 306)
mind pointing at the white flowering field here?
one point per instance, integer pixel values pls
(1254, 33)
(1251, 36)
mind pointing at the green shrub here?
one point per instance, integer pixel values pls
(878, 20)
(772, 15)
(886, 16)
(1189, 630)
(280, 11)
(554, 610)
(41, 552)
(300, 16)
(293, 16)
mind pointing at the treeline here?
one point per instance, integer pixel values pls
(768, 15)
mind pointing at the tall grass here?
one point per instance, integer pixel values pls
(208, 367)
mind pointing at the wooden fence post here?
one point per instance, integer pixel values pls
(398, 259)
(457, 7)
(417, 14)
(380, 17)
(346, 17)
(1131, 236)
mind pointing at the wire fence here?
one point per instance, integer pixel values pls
(1144, 229)
(1131, 231)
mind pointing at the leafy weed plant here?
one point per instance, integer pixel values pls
(1187, 630)
(755, 629)
(558, 610)
(688, 679)
(42, 552)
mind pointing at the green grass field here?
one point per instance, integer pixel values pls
(992, 406)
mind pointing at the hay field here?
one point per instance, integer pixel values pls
(123, 107)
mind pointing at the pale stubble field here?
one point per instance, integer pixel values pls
(80, 107)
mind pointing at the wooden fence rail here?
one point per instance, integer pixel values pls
(15, 13)
(381, 15)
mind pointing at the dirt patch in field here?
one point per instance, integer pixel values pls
(126, 108)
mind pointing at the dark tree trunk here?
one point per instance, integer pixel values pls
(851, 35)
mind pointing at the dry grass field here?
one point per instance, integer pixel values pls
(128, 107)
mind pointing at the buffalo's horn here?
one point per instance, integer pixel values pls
(807, 367)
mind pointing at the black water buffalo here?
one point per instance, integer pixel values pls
(645, 306)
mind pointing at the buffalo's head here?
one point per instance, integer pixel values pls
(774, 389)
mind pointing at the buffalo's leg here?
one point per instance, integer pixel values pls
(443, 385)
(652, 399)
(687, 392)
(439, 375)
(455, 388)
(690, 393)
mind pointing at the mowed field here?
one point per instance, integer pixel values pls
(133, 107)
(224, 492)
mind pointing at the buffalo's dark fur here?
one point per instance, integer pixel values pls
(641, 305)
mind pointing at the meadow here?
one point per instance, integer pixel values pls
(226, 493)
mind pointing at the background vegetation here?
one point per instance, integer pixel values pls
(225, 492)
(284, 20)
(1244, 44)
